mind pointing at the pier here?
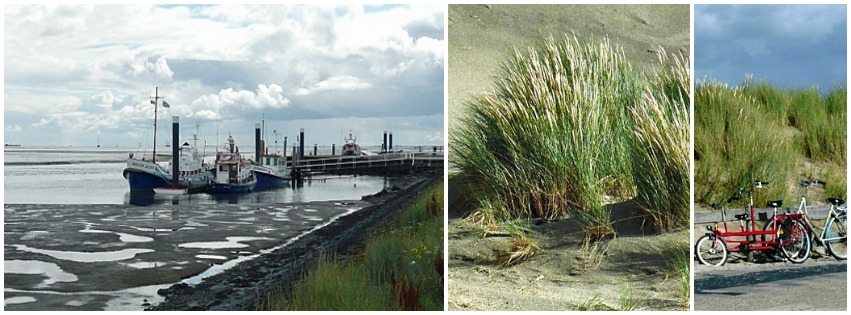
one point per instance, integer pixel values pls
(397, 163)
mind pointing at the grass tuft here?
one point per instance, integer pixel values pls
(566, 125)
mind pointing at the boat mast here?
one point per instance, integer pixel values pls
(154, 101)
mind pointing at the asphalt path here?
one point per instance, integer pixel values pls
(817, 284)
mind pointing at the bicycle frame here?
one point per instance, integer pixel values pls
(748, 231)
(821, 236)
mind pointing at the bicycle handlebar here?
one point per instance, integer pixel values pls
(806, 183)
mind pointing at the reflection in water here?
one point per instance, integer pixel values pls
(315, 189)
(123, 254)
(51, 271)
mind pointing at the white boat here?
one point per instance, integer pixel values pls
(233, 174)
(351, 146)
(168, 191)
(145, 173)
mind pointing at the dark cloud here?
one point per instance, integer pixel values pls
(794, 46)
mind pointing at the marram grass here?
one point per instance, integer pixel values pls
(547, 142)
(660, 145)
(566, 125)
(757, 131)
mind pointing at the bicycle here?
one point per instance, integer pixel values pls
(713, 248)
(833, 234)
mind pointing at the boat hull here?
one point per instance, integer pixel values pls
(145, 176)
(224, 189)
(143, 181)
(268, 180)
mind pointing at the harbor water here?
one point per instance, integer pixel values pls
(76, 239)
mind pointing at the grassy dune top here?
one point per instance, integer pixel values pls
(757, 131)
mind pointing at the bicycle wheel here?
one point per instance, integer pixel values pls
(794, 241)
(775, 254)
(711, 251)
(836, 228)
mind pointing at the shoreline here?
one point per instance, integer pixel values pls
(244, 285)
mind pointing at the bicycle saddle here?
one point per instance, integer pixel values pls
(743, 216)
(835, 201)
(775, 203)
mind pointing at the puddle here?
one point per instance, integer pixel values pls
(146, 264)
(31, 235)
(75, 303)
(311, 210)
(123, 237)
(34, 267)
(19, 300)
(86, 256)
(216, 269)
(217, 257)
(232, 242)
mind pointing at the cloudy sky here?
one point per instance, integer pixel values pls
(76, 73)
(793, 46)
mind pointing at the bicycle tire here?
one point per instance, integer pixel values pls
(708, 252)
(837, 227)
(776, 254)
(798, 251)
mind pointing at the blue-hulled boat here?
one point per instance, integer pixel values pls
(232, 173)
(146, 174)
(272, 174)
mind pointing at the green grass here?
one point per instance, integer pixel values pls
(558, 135)
(757, 131)
(400, 268)
(679, 261)
(660, 145)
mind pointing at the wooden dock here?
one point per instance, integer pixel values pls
(397, 163)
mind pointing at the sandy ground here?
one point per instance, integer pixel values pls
(561, 276)
(558, 277)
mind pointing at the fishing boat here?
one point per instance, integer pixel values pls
(233, 174)
(146, 173)
(351, 146)
(272, 172)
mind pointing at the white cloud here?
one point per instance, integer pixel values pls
(263, 97)
(436, 137)
(13, 128)
(336, 83)
(97, 65)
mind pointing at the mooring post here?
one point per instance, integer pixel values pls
(391, 142)
(301, 144)
(175, 149)
(384, 143)
(314, 148)
(333, 149)
(257, 145)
